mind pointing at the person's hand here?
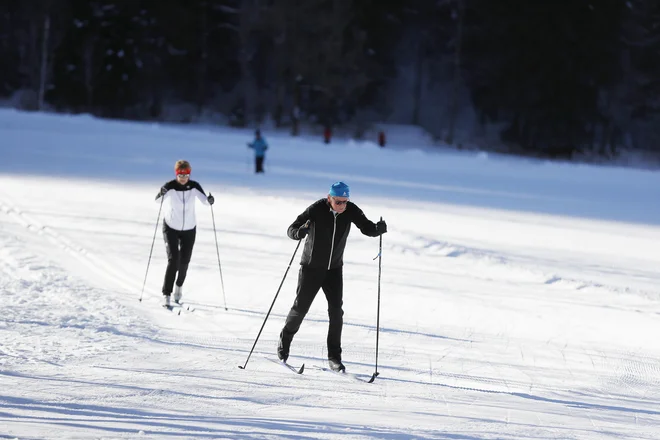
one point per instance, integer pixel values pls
(161, 193)
(303, 230)
(210, 199)
(381, 227)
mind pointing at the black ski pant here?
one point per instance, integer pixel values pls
(179, 247)
(259, 164)
(309, 282)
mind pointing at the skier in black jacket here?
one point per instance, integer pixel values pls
(326, 224)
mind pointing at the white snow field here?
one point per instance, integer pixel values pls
(519, 298)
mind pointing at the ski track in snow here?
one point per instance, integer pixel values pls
(89, 318)
(488, 264)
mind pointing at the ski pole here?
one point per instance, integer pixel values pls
(222, 283)
(242, 367)
(380, 259)
(152, 247)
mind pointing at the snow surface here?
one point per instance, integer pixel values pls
(519, 298)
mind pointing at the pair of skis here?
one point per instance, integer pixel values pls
(342, 373)
(346, 375)
(179, 307)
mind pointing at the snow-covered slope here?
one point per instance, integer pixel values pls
(519, 299)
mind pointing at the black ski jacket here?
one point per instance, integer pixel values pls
(328, 231)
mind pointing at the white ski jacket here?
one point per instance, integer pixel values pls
(179, 204)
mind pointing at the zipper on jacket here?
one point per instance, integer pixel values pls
(183, 223)
(332, 244)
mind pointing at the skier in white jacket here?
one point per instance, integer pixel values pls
(179, 226)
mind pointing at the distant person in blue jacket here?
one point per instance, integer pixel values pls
(259, 146)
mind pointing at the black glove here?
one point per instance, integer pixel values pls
(381, 227)
(210, 199)
(303, 230)
(161, 193)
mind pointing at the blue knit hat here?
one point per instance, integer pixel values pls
(339, 189)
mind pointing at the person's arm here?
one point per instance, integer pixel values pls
(201, 195)
(366, 226)
(163, 191)
(300, 226)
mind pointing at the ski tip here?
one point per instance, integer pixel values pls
(302, 368)
(373, 377)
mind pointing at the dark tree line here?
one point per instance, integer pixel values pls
(553, 76)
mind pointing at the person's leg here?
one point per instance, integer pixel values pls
(187, 244)
(172, 247)
(260, 164)
(309, 283)
(333, 289)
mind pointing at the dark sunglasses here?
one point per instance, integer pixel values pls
(340, 202)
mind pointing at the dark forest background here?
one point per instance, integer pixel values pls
(546, 77)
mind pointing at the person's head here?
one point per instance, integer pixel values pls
(182, 170)
(257, 133)
(338, 196)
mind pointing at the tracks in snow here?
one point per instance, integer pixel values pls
(89, 260)
(489, 264)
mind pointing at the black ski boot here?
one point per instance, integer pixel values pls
(336, 365)
(283, 347)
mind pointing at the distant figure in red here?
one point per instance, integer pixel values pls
(327, 134)
(381, 138)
